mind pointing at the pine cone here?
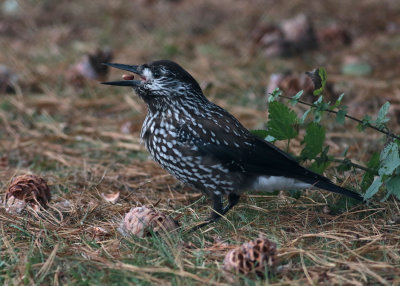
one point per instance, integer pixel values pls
(288, 38)
(140, 220)
(90, 67)
(334, 36)
(29, 188)
(252, 257)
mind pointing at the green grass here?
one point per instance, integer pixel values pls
(87, 259)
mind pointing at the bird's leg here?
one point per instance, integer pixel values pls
(216, 212)
(218, 209)
(233, 199)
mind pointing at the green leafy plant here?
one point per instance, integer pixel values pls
(382, 171)
(282, 121)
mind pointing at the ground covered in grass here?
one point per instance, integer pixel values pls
(83, 138)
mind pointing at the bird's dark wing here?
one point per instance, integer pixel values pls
(229, 143)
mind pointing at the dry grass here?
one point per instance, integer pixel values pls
(76, 138)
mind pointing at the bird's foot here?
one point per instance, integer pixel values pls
(203, 224)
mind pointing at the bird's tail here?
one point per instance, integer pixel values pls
(329, 186)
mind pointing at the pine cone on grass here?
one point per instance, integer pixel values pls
(30, 189)
(252, 257)
(140, 221)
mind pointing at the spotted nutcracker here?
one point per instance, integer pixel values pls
(204, 146)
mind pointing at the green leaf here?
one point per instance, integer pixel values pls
(341, 115)
(319, 101)
(345, 165)
(366, 121)
(304, 117)
(390, 159)
(298, 95)
(282, 121)
(317, 116)
(373, 162)
(373, 188)
(322, 162)
(382, 119)
(338, 102)
(368, 177)
(393, 186)
(319, 166)
(314, 140)
(274, 95)
(320, 106)
(295, 99)
(260, 133)
(323, 77)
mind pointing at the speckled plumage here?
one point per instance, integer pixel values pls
(204, 146)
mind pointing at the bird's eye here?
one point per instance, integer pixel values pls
(155, 73)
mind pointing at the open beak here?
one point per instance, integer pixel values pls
(130, 82)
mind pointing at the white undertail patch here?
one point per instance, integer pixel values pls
(274, 183)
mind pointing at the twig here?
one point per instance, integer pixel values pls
(388, 133)
(355, 165)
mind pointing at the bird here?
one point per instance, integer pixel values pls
(207, 148)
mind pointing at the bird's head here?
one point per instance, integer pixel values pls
(160, 81)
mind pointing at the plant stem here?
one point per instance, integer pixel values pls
(355, 165)
(388, 133)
